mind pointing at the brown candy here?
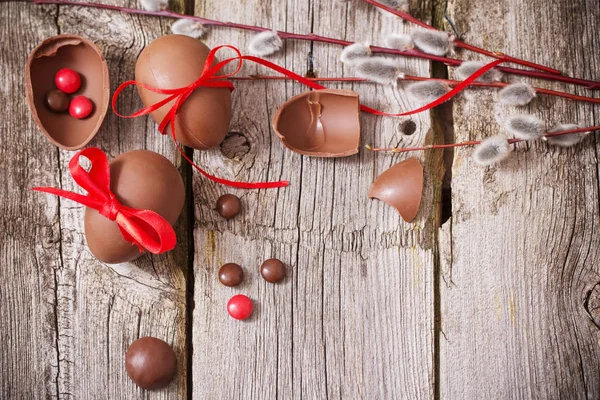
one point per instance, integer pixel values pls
(320, 123)
(231, 274)
(79, 54)
(272, 270)
(140, 179)
(401, 187)
(229, 206)
(57, 101)
(150, 363)
(175, 61)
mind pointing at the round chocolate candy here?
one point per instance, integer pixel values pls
(272, 270)
(57, 101)
(231, 274)
(229, 206)
(67, 80)
(150, 363)
(80, 107)
(240, 306)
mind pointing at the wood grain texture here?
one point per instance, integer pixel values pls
(518, 298)
(69, 318)
(521, 252)
(354, 317)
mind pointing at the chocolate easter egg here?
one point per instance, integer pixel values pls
(143, 180)
(320, 123)
(401, 187)
(84, 57)
(175, 61)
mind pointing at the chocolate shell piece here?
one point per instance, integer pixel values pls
(401, 187)
(82, 56)
(175, 61)
(140, 179)
(320, 123)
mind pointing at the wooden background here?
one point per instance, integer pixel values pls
(502, 300)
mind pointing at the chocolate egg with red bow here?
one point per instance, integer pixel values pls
(143, 180)
(176, 61)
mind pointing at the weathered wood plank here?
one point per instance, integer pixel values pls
(71, 317)
(522, 250)
(30, 248)
(354, 318)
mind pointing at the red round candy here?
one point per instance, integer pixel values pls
(239, 306)
(67, 80)
(80, 107)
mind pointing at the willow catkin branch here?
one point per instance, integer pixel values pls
(449, 82)
(458, 43)
(592, 85)
(474, 142)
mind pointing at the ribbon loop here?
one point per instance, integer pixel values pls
(143, 228)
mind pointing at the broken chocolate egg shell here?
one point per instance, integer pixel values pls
(82, 56)
(401, 187)
(175, 61)
(320, 123)
(139, 179)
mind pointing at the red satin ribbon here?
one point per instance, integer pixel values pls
(209, 78)
(144, 228)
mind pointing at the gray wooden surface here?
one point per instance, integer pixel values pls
(521, 257)
(500, 301)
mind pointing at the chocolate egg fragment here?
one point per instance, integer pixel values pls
(175, 61)
(401, 187)
(143, 180)
(78, 54)
(320, 123)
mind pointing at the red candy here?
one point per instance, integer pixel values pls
(80, 107)
(67, 80)
(239, 306)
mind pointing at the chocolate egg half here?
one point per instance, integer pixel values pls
(401, 187)
(175, 61)
(143, 180)
(82, 56)
(320, 123)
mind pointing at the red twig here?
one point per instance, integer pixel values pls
(466, 46)
(420, 78)
(471, 142)
(312, 37)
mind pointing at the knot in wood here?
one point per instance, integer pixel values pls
(235, 145)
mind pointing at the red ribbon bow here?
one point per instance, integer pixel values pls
(209, 78)
(144, 228)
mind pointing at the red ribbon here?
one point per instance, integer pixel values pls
(209, 78)
(144, 228)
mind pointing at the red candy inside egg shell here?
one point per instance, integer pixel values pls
(80, 107)
(67, 80)
(85, 59)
